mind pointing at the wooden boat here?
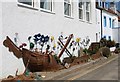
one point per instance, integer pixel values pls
(35, 61)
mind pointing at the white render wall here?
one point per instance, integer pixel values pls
(0, 40)
(98, 23)
(116, 33)
(26, 22)
(119, 24)
(107, 31)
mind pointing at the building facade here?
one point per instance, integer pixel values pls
(109, 18)
(23, 19)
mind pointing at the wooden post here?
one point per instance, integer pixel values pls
(66, 44)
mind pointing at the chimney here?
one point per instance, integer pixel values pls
(113, 6)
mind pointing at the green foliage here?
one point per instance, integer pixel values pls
(85, 50)
(105, 51)
(94, 51)
(57, 59)
(117, 50)
(103, 42)
(107, 43)
(110, 43)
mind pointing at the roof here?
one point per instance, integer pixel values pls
(119, 18)
(109, 10)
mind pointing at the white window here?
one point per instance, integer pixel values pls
(67, 7)
(26, 2)
(80, 6)
(46, 4)
(88, 8)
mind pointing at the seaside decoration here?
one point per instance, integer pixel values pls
(16, 73)
(77, 40)
(52, 38)
(47, 38)
(16, 38)
(29, 38)
(31, 46)
(22, 45)
(37, 61)
(54, 46)
(85, 42)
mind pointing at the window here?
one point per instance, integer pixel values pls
(46, 4)
(106, 5)
(67, 7)
(99, 2)
(88, 11)
(105, 22)
(109, 37)
(80, 6)
(103, 6)
(110, 22)
(26, 2)
(104, 37)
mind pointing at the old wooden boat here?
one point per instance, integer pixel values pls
(35, 61)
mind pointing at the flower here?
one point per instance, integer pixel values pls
(52, 38)
(77, 40)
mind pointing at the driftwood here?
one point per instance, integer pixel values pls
(36, 61)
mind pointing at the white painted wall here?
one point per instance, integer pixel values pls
(116, 33)
(28, 22)
(107, 31)
(98, 23)
(0, 40)
(119, 24)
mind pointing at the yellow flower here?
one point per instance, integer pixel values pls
(52, 37)
(77, 39)
(54, 45)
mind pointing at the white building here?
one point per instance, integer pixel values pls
(48, 18)
(116, 32)
(109, 18)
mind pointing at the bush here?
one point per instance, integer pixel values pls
(105, 51)
(107, 43)
(110, 43)
(117, 45)
(85, 50)
(117, 50)
(103, 42)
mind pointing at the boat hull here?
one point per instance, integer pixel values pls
(40, 62)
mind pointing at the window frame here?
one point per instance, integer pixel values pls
(36, 5)
(110, 22)
(109, 38)
(106, 5)
(69, 2)
(26, 5)
(105, 21)
(47, 10)
(82, 9)
(88, 11)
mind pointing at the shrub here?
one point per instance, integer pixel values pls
(117, 50)
(110, 43)
(105, 51)
(103, 42)
(107, 43)
(85, 50)
(117, 45)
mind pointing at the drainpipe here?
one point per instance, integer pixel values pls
(118, 36)
(101, 25)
